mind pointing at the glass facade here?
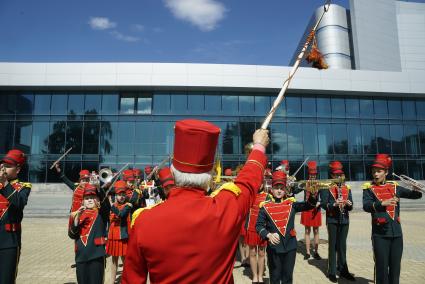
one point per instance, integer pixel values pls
(114, 128)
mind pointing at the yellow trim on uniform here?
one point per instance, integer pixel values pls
(348, 187)
(139, 211)
(366, 185)
(292, 199)
(263, 202)
(393, 182)
(229, 186)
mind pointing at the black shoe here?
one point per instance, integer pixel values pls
(245, 264)
(347, 275)
(332, 278)
(317, 256)
(307, 256)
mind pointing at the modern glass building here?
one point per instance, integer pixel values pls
(117, 113)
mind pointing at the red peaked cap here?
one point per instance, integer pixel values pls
(336, 167)
(312, 167)
(278, 177)
(120, 186)
(137, 172)
(382, 161)
(165, 177)
(127, 175)
(84, 174)
(90, 189)
(14, 157)
(285, 163)
(228, 172)
(195, 142)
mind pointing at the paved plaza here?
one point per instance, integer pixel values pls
(48, 253)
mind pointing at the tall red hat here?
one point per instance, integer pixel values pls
(165, 177)
(148, 170)
(84, 174)
(120, 186)
(14, 157)
(382, 161)
(137, 173)
(127, 175)
(335, 167)
(228, 172)
(285, 163)
(90, 189)
(278, 177)
(195, 142)
(312, 167)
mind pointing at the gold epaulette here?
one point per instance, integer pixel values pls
(229, 186)
(292, 199)
(348, 187)
(264, 202)
(140, 210)
(27, 184)
(366, 185)
(393, 182)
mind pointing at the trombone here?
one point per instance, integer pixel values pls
(411, 182)
(319, 184)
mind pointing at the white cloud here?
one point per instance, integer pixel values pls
(204, 14)
(138, 27)
(101, 23)
(123, 37)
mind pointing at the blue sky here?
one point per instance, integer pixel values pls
(203, 31)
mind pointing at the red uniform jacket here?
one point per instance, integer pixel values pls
(191, 237)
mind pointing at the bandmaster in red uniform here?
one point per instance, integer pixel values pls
(192, 237)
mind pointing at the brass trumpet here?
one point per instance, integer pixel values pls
(318, 184)
(411, 182)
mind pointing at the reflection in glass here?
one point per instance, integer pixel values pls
(325, 139)
(323, 107)
(383, 139)
(108, 138)
(230, 105)
(338, 107)
(352, 108)
(246, 105)
(295, 139)
(340, 138)
(25, 104)
(230, 137)
(110, 104)
(196, 103)
(411, 137)
(212, 104)
(162, 138)
(369, 139)
(57, 137)
(127, 105)
(144, 105)
(74, 131)
(409, 111)
(397, 142)
(75, 104)
(279, 139)
(293, 106)
(310, 139)
(354, 139)
(93, 103)
(40, 137)
(357, 170)
(308, 106)
(394, 109)
(381, 110)
(37, 170)
(415, 169)
(59, 104)
(421, 131)
(6, 139)
(262, 105)
(42, 104)
(23, 134)
(91, 137)
(420, 108)
(366, 108)
(125, 138)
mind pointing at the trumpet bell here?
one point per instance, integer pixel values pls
(106, 175)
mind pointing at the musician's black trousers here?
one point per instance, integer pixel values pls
(387, 252)
(91, 272)
(337, 249)
(281, 266)
(9, 259)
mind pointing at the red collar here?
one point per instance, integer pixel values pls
(186, 192)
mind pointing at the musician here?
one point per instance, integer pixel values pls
(13, 198)
(88, 229)
(337, 201)
(381, 198)
(284, 166)
(119, 221)
(166, 179)
(311, 218)
(256, 244)
(275, 224)
(137, 173)
(200, 232)
(134, 195)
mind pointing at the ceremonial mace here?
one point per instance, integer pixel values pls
(294, 69)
